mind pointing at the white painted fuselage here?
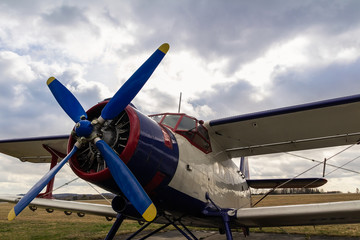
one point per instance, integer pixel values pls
(198, 173)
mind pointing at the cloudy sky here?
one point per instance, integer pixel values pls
(226, 57)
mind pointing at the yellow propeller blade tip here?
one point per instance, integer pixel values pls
(164, 48)
(50, 80)
(150, 213)
(11, 215)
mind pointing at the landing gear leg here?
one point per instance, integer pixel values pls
(115, 227)
(226, 219)
(216, 211)
(246, 231)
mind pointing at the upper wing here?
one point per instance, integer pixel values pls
(327, 123)
(78, 207)
(32, 150)
(295, 215)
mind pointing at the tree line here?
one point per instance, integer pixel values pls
(292, 191)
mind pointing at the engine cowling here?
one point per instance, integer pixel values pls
(149, 150)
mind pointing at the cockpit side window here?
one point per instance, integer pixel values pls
(157, 118)
(203, 132)
(196, 133)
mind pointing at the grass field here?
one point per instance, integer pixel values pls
(42, 225)
(57, 225)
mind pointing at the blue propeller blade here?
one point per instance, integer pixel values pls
(133, 85)
(127, 182)
(36, 189)
(66, 100)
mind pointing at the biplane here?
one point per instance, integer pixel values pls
(174, 169)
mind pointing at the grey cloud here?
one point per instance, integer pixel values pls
(112, 19)
(239, 31)
(37, 114)
(22, 6)
(156, 101)
(228, 99)
(28, 109)
(66, 16)
(334, 80)
(88, 93)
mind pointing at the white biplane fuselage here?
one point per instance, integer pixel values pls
(172, 156)
(198, 173)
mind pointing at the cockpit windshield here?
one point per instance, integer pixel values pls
(187, 123)
(188, 127)
(170, 120)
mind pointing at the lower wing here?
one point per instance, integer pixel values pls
(298, 215)
(69, 206)
(291, 215)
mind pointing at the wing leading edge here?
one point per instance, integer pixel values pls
(32, 150)
(327, 123)
(297, 215)
(78, 207)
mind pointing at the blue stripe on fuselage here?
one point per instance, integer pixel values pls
(152, 155)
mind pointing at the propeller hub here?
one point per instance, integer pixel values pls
(83, 128)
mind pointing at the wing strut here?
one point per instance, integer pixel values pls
(55, 155)
(316, 180)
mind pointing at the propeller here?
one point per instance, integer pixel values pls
(85, 131)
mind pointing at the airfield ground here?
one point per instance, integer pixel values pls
(213, 235)
(42, 225)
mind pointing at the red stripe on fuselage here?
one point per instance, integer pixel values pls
(155, 182)
(167, 139)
